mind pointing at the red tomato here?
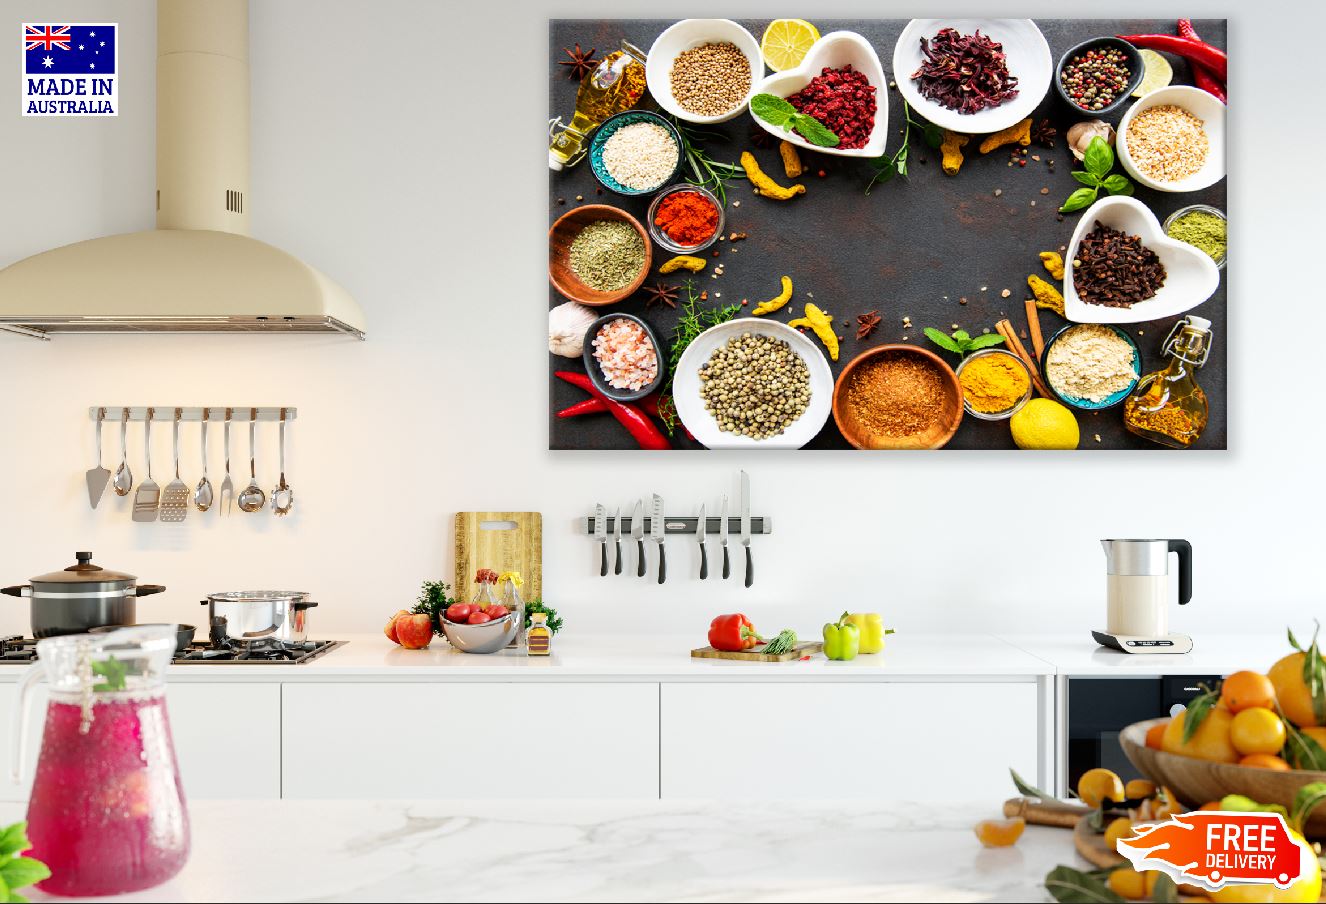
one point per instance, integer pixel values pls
(458, 612)
(496, 611)
(478, 618)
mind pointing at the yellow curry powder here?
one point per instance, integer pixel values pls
(993, 383)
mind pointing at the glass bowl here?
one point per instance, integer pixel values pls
(663, 240)
(1204, 208)
(609, 128)
(1007, 412)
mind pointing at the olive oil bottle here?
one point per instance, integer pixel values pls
(615, 85)
(1168, 406)
(538, 637)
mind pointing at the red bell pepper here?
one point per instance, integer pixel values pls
(647, 436)
(1213, 58)
(733, 633)
(1201, 76)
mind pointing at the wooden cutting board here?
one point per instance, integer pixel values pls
(1046, 812)
(802, 648)
(502, 541)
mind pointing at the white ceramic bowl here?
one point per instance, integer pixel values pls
(835, 50)
(689, 33)
(690, 407)
(1190, 275)
(1028, 58)
(1200, 104)
(486, 638)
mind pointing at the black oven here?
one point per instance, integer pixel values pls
(1096, 710)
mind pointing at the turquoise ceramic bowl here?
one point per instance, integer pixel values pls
(1086, 404)
(608, 129)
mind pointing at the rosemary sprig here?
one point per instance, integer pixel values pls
(886, 167)
(705, 171)
(691, 322)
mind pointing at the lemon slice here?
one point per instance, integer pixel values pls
(786, 42)
(1158, 73)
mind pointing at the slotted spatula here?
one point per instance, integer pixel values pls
(97, 477)
(175, 498)
(148, 497)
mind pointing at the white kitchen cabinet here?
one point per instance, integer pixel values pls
(925, 741)
(420, 740)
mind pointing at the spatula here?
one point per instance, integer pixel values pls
(175, 498)
(148, 496)
(98, 477)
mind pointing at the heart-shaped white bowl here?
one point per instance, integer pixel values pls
(834, 50)
(685, 35)
(1028, 58)
(1190, 275)
(1199, 103)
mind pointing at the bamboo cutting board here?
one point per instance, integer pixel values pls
(502, 541)
(803, 648)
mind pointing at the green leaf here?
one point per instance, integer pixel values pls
(14, 839)
(942, 340)
(984, 341)
(114, 671)
(772, 109)
(1083, 197)
(16, 898)
(1115, 183)
(1198, 710)
(1302, 751)
(1072, 886)
(934, 135)
(1096, 818)
(1305, 801)
(962, 336)
(1098, 158)
(1165, 891)
(1090, 180)
(1314, 676)
(814, 131)
(1028, 790)
(21, 872)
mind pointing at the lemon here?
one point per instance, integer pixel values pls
(1157, 73)
(1306, 889)
(1043, 424)
(786, 42)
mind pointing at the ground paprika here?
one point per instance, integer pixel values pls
(687, 217)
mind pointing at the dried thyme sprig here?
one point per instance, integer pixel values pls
(706, 172)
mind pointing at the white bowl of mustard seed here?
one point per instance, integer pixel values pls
(713, 72)
(1162, 151)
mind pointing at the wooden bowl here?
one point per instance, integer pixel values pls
(1196, 782)
(941, 429)
(564, 232)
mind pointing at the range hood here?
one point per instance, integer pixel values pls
(198, 271)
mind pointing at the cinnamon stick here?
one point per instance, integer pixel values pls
(1034, 325)
(1015, 345)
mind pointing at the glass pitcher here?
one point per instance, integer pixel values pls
(107, 812)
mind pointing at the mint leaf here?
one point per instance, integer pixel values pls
(113, 671)
(1098, 159)
(21, 872)
(814, 131)
(14, 839)
(942, 340)
(772, 109)
(961, 336)
(1090, 180)
(984, 341)
(1083, 197)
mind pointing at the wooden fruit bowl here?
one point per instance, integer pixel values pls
(564, 232)
(1197, 781)
(948, 414)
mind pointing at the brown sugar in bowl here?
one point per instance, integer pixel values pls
(947, 414)
(564, 232)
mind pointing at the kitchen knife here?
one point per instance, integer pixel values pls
(656, 534)
(617, 524)
(722, 539)
(704, 556)
(745, 527)
(638, 532)
(601, 534)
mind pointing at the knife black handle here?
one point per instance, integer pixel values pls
(617, 569)
(727, 568)
(750, 568)
(640, 548)
(662, 564)
(603, 559)
(704, 563)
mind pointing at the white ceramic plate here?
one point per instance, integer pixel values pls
(690, 407)
(835, 50)
(689, 33)
(1190, 275)
(1028, 59)
(1200, 104)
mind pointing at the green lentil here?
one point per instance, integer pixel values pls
(1203, 230)
(607, 255)
(755, 386)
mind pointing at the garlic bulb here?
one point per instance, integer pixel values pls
(567, 324)
(1081, 133)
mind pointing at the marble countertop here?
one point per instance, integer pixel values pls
(601, 851)
(1212, 654)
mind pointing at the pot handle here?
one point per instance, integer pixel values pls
(302, 604)
(149, 589)
(20, 590)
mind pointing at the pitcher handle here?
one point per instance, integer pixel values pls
(18, 752)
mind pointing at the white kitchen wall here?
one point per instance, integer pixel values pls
(399, 146)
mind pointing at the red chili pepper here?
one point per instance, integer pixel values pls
(1212, 58)
(646, 435)
(650, 404)
(732, 633)
(1201, 76)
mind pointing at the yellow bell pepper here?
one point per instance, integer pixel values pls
(871, 625)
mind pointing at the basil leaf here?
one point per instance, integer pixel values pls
(1115, 183)
(1083, 197)
(1072, 886)
(772, 109)
(1165, 891)
(1098, 158)
(985, 340)
(942, 340)
(1024, 787)
(1089, 179)
(21, 872)
(814, 131)
(1198, 710)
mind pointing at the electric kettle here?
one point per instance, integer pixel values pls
(1137, 595)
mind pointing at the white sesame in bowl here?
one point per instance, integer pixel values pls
(641, 156)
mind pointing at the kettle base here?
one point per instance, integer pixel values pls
(1167, 643)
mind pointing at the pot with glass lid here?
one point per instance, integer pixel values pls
(81, 597)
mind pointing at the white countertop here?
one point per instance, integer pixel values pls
(601, 851)
(1212, 654)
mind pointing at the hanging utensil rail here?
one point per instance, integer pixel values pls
(217, 413)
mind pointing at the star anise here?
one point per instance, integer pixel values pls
(1045, 133)
(760, 138)
(866, 324)
(660, 293)
(580, 64)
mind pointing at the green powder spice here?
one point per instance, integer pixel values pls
(607, 255)
(1204, 231)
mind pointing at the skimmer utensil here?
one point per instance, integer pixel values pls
(97, 477)
(227, 504)
(175, 498)
(202, 496)
(252, 497)
(124, 478)
(148, 497)
(283, 498)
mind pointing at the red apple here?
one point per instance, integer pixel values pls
(414, 631)
(458, 612)
(479, 618)
(390, 630)
(496, 611)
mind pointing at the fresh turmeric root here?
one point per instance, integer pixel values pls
(1020, 133)
(765, 185)
(792, 167)
(1054, 263)
(1047, 296)
(683, 262)
(821, 322)
(951, 149)
(773, 304)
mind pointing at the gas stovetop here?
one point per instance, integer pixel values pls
(24, 649)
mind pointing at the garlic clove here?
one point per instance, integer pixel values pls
(1080, 135)
(567, 324)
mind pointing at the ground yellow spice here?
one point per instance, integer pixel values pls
(993, 383)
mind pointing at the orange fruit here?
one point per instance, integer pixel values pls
(1127, 882)
(1119, 828)
(1210, 805)
(1139, 787)
(1154, 734)
(1264, 761)
(1000, 832)
(1242, 690)
(1097, 784)
(1166, 804)
(1292, 692)
(1257, 730)
(1210, 741)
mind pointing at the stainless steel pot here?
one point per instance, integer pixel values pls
(81, 597)
(250, 617)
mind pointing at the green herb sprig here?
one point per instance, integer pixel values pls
(960, 343)
(706, 172)
(785, 642)
(17, 871)
(433, 601)
(1098, 160)
(113, 673)
(691, 322)
(778, 113)
(887, 167)
(554, 621)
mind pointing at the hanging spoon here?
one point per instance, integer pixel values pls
(283, 498)
(252, 497)
(202, 496)
(124, 478)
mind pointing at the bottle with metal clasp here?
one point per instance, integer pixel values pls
(616, 84)
(1168, 406)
